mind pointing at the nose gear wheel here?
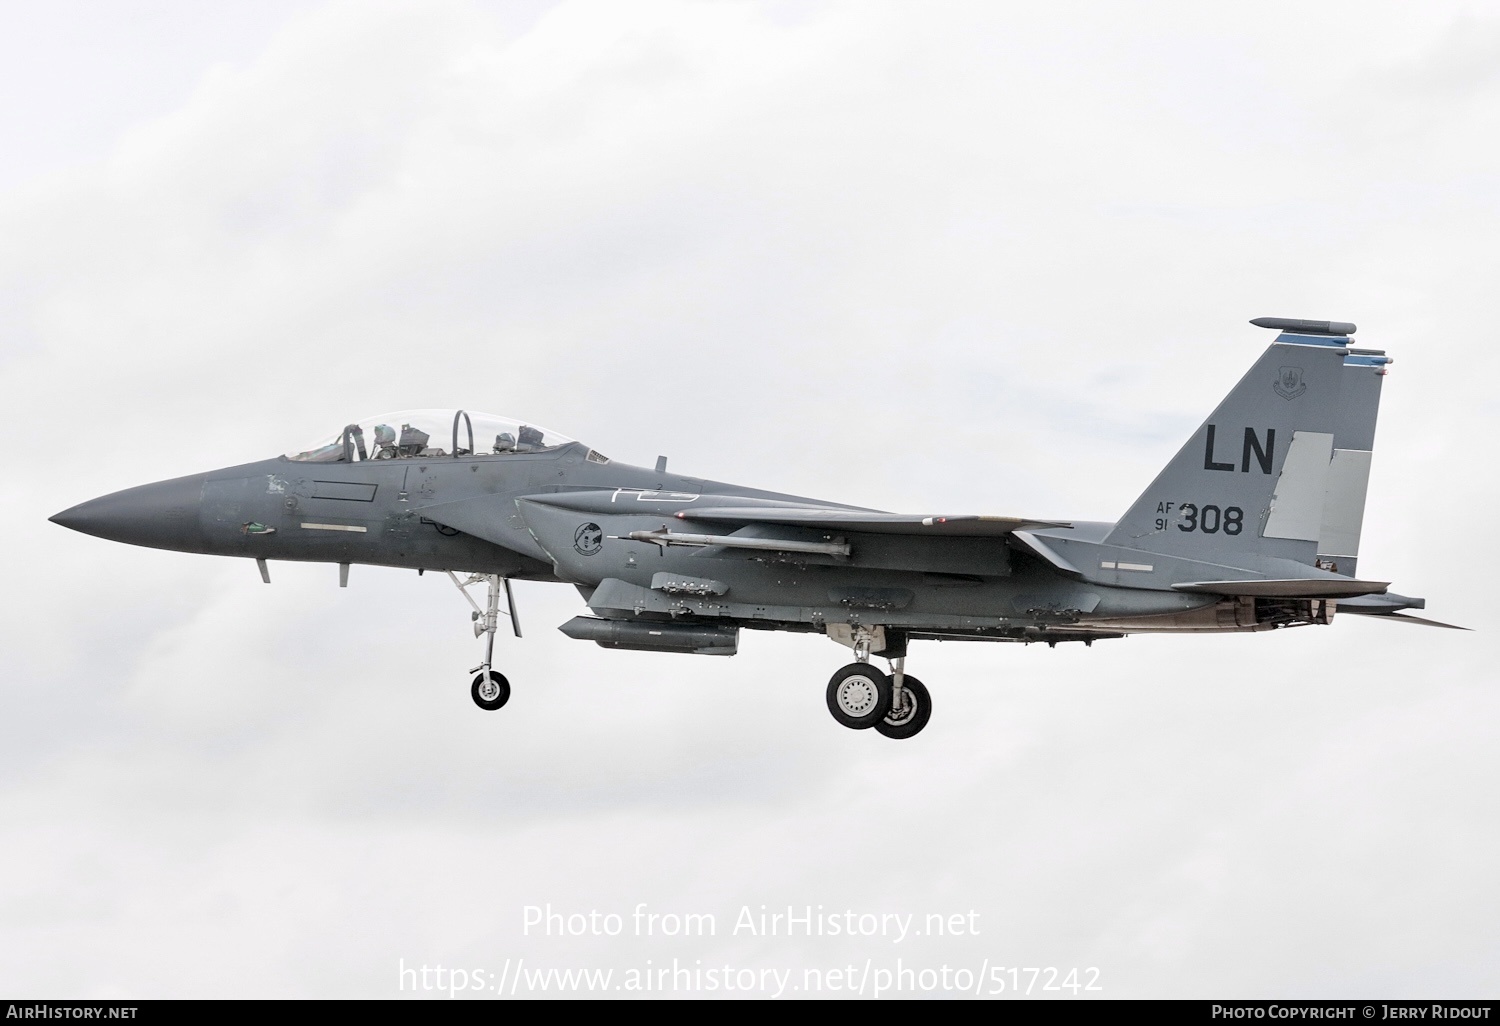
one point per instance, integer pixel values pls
(490, 691)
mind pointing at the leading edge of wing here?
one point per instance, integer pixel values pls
(871, 523)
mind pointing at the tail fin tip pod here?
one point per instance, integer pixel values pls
(1281, 466)
(1299, 326)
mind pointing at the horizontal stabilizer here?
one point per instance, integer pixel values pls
(1309, 587)
(870, 523)
(1405, 618)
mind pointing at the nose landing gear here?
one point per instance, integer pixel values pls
(490, 689)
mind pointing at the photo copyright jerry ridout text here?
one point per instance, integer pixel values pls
(516, 978)
(749, 921)
(1381, 1011)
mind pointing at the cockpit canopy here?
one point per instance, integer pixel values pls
(413, 434)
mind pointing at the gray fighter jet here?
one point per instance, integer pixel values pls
(1253, 525)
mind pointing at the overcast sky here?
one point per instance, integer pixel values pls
(942, 257)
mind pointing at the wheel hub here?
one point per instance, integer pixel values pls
(489, 690)
(857, 696)
(903, 715)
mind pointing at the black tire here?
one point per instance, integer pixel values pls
(490, 694)
(909, 720)
(859, 696)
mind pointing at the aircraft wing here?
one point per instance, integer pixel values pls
(869, 523)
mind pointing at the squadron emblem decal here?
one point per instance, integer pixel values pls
(588, 539)
(1289, 384)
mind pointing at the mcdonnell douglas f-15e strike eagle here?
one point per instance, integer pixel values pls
(1252, 526)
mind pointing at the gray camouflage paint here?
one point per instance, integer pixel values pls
(1191, 554)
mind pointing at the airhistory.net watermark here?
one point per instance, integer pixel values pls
(68, 1010)
(867, 978)
(808, 927)
(749, 921)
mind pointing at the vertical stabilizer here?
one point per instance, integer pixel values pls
(1281, 466)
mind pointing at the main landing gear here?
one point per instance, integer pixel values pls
(490, 689)
(860, 696)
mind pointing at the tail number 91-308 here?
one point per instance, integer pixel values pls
(1208, 518)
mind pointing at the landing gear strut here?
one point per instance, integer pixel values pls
(490, 689)
(911, 715)
(860, 696)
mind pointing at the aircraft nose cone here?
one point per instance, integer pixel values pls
(163, 515)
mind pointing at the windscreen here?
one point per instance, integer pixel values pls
(418, 434)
